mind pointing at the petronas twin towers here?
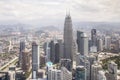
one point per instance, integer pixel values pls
(68, 38)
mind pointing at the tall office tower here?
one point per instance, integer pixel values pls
(119, 45)
(68, 38)
(35, 59)
(22, 48)
(57, 53)
(47, 51)
(101, 75)
(112, 71)
(48, 54)
(75, 54)
(67, 75)
(87, 66)
(89, 44)
(91, 59)
(100, 45)
(84, 44)
(61, 48)
(67, 63)
(107, 43)
(25, 61)
(83, 61)
(54, 74)
(79, 40)
(94, 37)
(80, 73)
(45, 46)
(42, 60)
(116, 47)
(80, 60)
(52, 51)
(94, 71)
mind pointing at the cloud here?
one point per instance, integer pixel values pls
(53, 11)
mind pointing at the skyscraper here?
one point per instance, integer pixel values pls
(61, 48)
(52, 51)
(94, 71)
(67, 75)
(67, 63)
(35, 59)
(68, 38)
(94, 37)
(25, 60)
(57, 53)
(54, 74)
(22, 48)
(107, 43)
(47, 51)
(79, 40)
(100, 45)
(84, 44)
(80, 73)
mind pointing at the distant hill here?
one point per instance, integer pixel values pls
(98, 25)
(49, 28)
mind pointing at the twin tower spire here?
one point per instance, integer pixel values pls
(68, 13)
(68, 37)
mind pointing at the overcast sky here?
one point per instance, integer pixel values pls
(48, 12)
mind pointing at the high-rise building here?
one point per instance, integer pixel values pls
(107, 43)
(35, 59)
(87, 66)
(80, 73)
(52, 51)
(94, 37)
(57, 53)
(94, 71)
(42, 60)
(54, 74)
(68, 38)
(91, 59)
(100, 45)
(93, 49)
(47, 52)
(22, 48)
(84, 44)
(67, 75)
(61, 48)
(67, 63)
(25, 60)
(56, 50)
(80, 60)
(112, 71)
(79, 40)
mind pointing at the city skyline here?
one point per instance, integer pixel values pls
(87, 48)
(52, 12)
(92, 55)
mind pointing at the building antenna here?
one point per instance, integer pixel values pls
(67, 12)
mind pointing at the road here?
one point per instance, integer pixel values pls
(6, 66)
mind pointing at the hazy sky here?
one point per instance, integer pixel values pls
(48, 12)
